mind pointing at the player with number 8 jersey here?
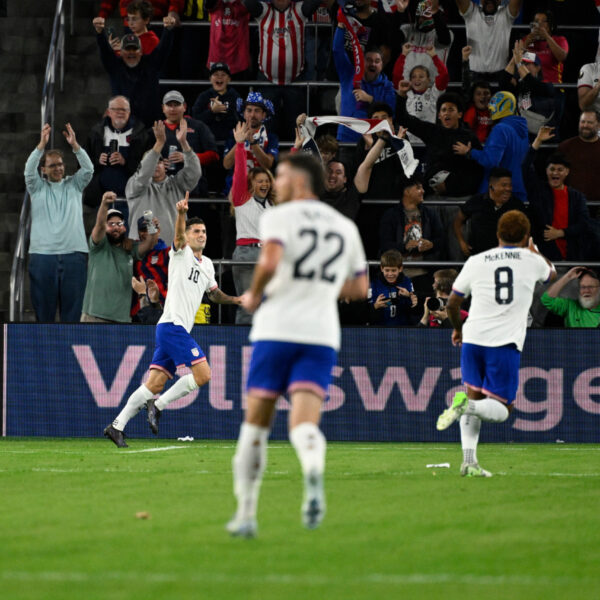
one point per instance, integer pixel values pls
(501, 282)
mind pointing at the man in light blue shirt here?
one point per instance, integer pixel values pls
(57, 247)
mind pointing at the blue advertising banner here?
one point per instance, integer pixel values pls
(389, 384)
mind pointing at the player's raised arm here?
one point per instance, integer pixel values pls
(182, 208)
(533, 248)
(266, 266)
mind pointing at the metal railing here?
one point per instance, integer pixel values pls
(54, 64)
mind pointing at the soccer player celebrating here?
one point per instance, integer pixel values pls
(501, 282)
(190, 275)
(311, 255)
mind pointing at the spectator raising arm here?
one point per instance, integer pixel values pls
(363, 173)
(99, 230)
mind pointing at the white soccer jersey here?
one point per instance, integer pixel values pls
(489, 36)
(501, 282)
(588, 77)
(321, 249)
(189, 278)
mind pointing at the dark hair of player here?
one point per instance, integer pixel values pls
(391, 258)
(193, 221)
(311, 167)
(513, 227)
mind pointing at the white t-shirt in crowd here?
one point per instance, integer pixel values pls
(488, 36)
(588, 77)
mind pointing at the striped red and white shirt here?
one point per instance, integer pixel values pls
(281, 55)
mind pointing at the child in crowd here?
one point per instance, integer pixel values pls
(139, 13)
(391, 295)
(423, 94)
(217, 105)
(478, 94)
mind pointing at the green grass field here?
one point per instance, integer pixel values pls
(394, 528)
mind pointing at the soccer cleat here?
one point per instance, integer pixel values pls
(245, 528)
(313, 507)
(473, 470)
(153, 415)
(118, 437)
(456, 409)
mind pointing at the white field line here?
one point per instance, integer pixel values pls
(159, 449)
(396, 579)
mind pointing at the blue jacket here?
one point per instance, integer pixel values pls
(507, 147)
(382, 89)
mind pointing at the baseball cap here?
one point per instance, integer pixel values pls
(113, 212)
(220, 66)
(173, 96)
(531, 57)
(131, 41)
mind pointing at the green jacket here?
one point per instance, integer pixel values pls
(574, 314)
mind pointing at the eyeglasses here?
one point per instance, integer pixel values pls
(118, 109)
(55, 165)
(590, 288)
(116, 224)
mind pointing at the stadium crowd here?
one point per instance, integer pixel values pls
(482, 149)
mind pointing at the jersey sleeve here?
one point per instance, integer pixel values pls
(545, 270)
(210, 272)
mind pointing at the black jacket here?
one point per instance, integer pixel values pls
(541, 209)
(392, 226)
(465, 174)
(220, 124)
(108, 177)
(140, 83)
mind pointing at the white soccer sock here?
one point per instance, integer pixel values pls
(133, 406)
(469, 436)
(310, 445)
(184, 385)
(488, 409)
(249, 463)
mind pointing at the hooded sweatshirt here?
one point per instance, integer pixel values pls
(506, 146)
(380, 88)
